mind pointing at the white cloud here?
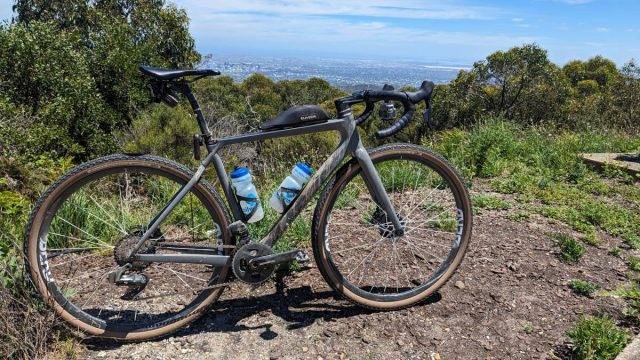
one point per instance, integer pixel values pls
(331, 26)
(404, 9)
(337, 34)
(575, 2)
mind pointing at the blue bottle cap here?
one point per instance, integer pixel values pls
(305, 168)
(239, 171)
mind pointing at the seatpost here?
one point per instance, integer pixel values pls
(202, 123)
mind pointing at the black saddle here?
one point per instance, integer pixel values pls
(170, 74)
(296, 116)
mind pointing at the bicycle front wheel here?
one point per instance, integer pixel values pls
(83, 227)
(355, 246)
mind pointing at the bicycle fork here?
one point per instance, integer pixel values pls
(376, 188)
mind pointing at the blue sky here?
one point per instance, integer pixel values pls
(458, 31)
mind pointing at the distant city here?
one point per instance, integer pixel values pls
(349, 75)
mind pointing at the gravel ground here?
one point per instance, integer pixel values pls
(509, 300)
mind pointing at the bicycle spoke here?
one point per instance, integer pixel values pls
(90, 232)
(391, 265)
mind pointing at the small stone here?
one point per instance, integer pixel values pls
(305, 349)
(459, 284)
(102, 354)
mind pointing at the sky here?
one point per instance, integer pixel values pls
(442, 31)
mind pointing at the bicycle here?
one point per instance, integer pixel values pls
(133, 247)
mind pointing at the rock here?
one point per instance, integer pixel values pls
(102, 354)
(459, 284)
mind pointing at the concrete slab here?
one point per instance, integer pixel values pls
(632, 351)
(612, 159)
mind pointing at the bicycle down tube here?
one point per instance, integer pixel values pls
(349, 144)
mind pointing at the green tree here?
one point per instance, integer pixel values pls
(626, 96)
(519, 84)
(74, 65)
(44, 73)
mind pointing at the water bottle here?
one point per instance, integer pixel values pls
(246, 194)
(290, 187)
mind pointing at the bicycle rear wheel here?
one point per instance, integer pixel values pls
(354, 243)
(84, 225)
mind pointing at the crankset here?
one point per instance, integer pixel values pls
(254, 263)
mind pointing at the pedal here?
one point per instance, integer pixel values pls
(302, 258)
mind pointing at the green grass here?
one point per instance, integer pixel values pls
(591, 239)
(630, 292)
(615, 251)
(519, 215)
(597, 338)
(583, 287)
(542, 168)
(489, 202)
(570, 250)
(633, 262)
(527, 328)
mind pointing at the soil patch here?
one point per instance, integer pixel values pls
(509, 299)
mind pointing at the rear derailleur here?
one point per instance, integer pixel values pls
(136, 282)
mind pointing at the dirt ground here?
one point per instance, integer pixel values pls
(509, 300)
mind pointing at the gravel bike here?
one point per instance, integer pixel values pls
(133, 247)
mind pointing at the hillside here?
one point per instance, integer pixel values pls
(554, 262)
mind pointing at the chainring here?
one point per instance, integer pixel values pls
(244, 271)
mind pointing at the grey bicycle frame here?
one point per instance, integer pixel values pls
(350, 144)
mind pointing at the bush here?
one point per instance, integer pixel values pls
(163, 131)
(597, 338)
(633, 262)
(28, 327)
(72, 67)
(570, 249)
(583, 287)
(489, 202)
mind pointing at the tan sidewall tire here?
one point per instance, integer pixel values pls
(328, 196)
(37, 216)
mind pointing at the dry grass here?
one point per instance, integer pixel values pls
(29, 330)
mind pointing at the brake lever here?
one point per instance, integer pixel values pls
(426, 115)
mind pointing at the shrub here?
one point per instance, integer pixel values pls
(633, 262)
(597, 338)
(489, 202)
(583, 287)
(570, 249)
(28, 327)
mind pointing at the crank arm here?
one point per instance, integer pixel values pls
(273, 259)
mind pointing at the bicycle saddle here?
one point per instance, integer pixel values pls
(170, 74)
(296, 116)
